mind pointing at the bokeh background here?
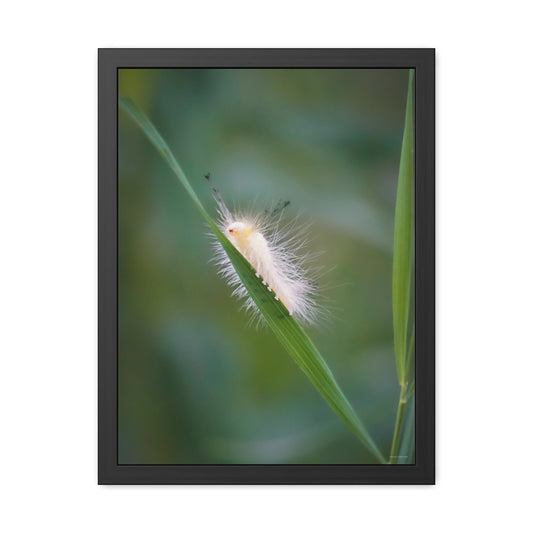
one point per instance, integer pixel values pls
(197, 384)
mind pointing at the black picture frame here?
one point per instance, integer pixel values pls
(423, 61)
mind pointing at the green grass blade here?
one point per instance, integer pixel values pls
(287, 330)
(403, 276)
(404, 242)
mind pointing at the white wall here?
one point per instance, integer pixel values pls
(48, 265)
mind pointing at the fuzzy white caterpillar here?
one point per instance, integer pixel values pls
(274, 254)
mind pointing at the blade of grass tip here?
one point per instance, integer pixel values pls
(403, 239)
(287, 330)
(155, 137)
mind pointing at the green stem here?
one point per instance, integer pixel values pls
(398, 426)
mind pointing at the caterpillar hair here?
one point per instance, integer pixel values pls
(275, 251)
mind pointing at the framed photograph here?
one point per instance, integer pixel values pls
(266, 266)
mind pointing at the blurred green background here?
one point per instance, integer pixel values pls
(197, 384)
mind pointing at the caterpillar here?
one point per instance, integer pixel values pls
(275, 252)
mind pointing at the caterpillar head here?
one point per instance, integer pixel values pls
(239, 229)
(239, 232)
